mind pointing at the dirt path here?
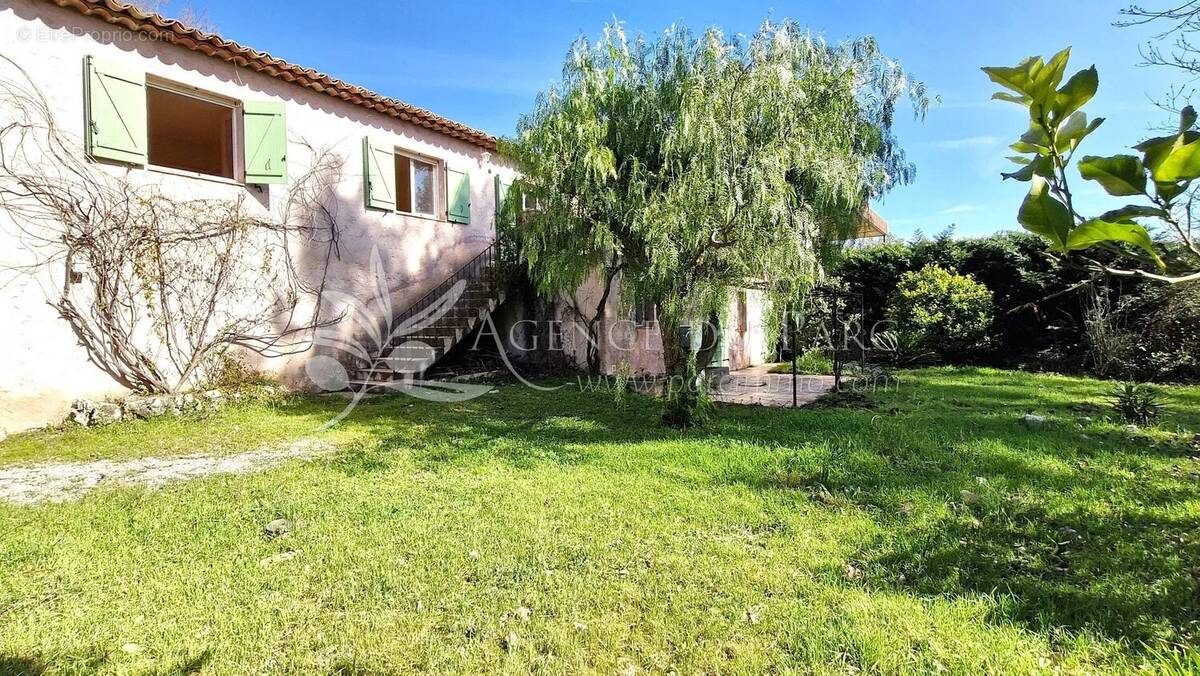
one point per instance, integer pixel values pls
(63, 481)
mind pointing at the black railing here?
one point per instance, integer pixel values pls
(483, 267)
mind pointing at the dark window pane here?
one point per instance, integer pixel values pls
(403, 184)
(189, 134)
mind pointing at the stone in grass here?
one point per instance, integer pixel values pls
(214, 398)
(146, 407)
(1032, 420)
(184, 403)
(277, 528)
(81, 411)
(106, 413)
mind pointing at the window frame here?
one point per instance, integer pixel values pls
(530, 202)
(642, 318)
(239, 162)
(439, 170)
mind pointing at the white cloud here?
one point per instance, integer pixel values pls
(968, 142)
(958, 209)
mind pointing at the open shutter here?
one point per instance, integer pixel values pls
(264, 129)
(115, 124)
(379, 175)
(458, 196)
(501, 196)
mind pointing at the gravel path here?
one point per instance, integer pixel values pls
(63, 481)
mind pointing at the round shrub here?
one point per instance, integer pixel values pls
(947, 313)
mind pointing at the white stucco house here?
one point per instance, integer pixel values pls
(159, 102)
(156, 102)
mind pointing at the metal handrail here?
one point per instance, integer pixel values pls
(472, 270)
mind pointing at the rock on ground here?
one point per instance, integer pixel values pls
(63, 481)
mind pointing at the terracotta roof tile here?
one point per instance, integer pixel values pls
(872, 225)
(170, 30)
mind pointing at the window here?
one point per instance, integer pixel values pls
(416, 185)
(145, 121)
(530, 202)
(645, 314)
(191, 132)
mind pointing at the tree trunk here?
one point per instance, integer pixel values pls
(684, 403)
(674, 351)
(593, 347)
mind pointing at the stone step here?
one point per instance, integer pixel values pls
(412, 355)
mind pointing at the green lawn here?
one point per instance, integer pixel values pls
(812, 362)
(556, 533)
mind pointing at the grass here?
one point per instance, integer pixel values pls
(812, 362)
(558, 533)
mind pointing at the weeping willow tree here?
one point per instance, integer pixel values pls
(688, 165)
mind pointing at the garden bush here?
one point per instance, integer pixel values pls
(1167, 346)
(813, 361)
(948, 313)
(1043, 319)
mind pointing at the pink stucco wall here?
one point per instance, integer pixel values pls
(640, 345)
(41, 367)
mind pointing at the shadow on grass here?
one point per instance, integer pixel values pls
(90, 662)
(188, 665)
(1115, 553)
(15, 665)
(1073, 534)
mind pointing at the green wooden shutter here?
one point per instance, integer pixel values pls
(458, 196)
(501, 196)
(264, 132)
(379, 175)
(115, 112)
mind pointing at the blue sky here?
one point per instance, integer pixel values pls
(483, 63)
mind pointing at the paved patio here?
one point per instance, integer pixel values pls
(756, 386)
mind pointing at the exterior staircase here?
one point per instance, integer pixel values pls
(427, 330)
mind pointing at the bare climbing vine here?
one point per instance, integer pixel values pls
(159, 288)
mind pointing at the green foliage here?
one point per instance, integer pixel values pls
(813, 361)
(903, 348)
(1137, 403)
(1167, 346)
(228, 371)
(1040, 213)
(1119, 175)
(686, 402)
(950, 313)
(1057, 126)
(695, 165)
(1042, 320)
(621, 384)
